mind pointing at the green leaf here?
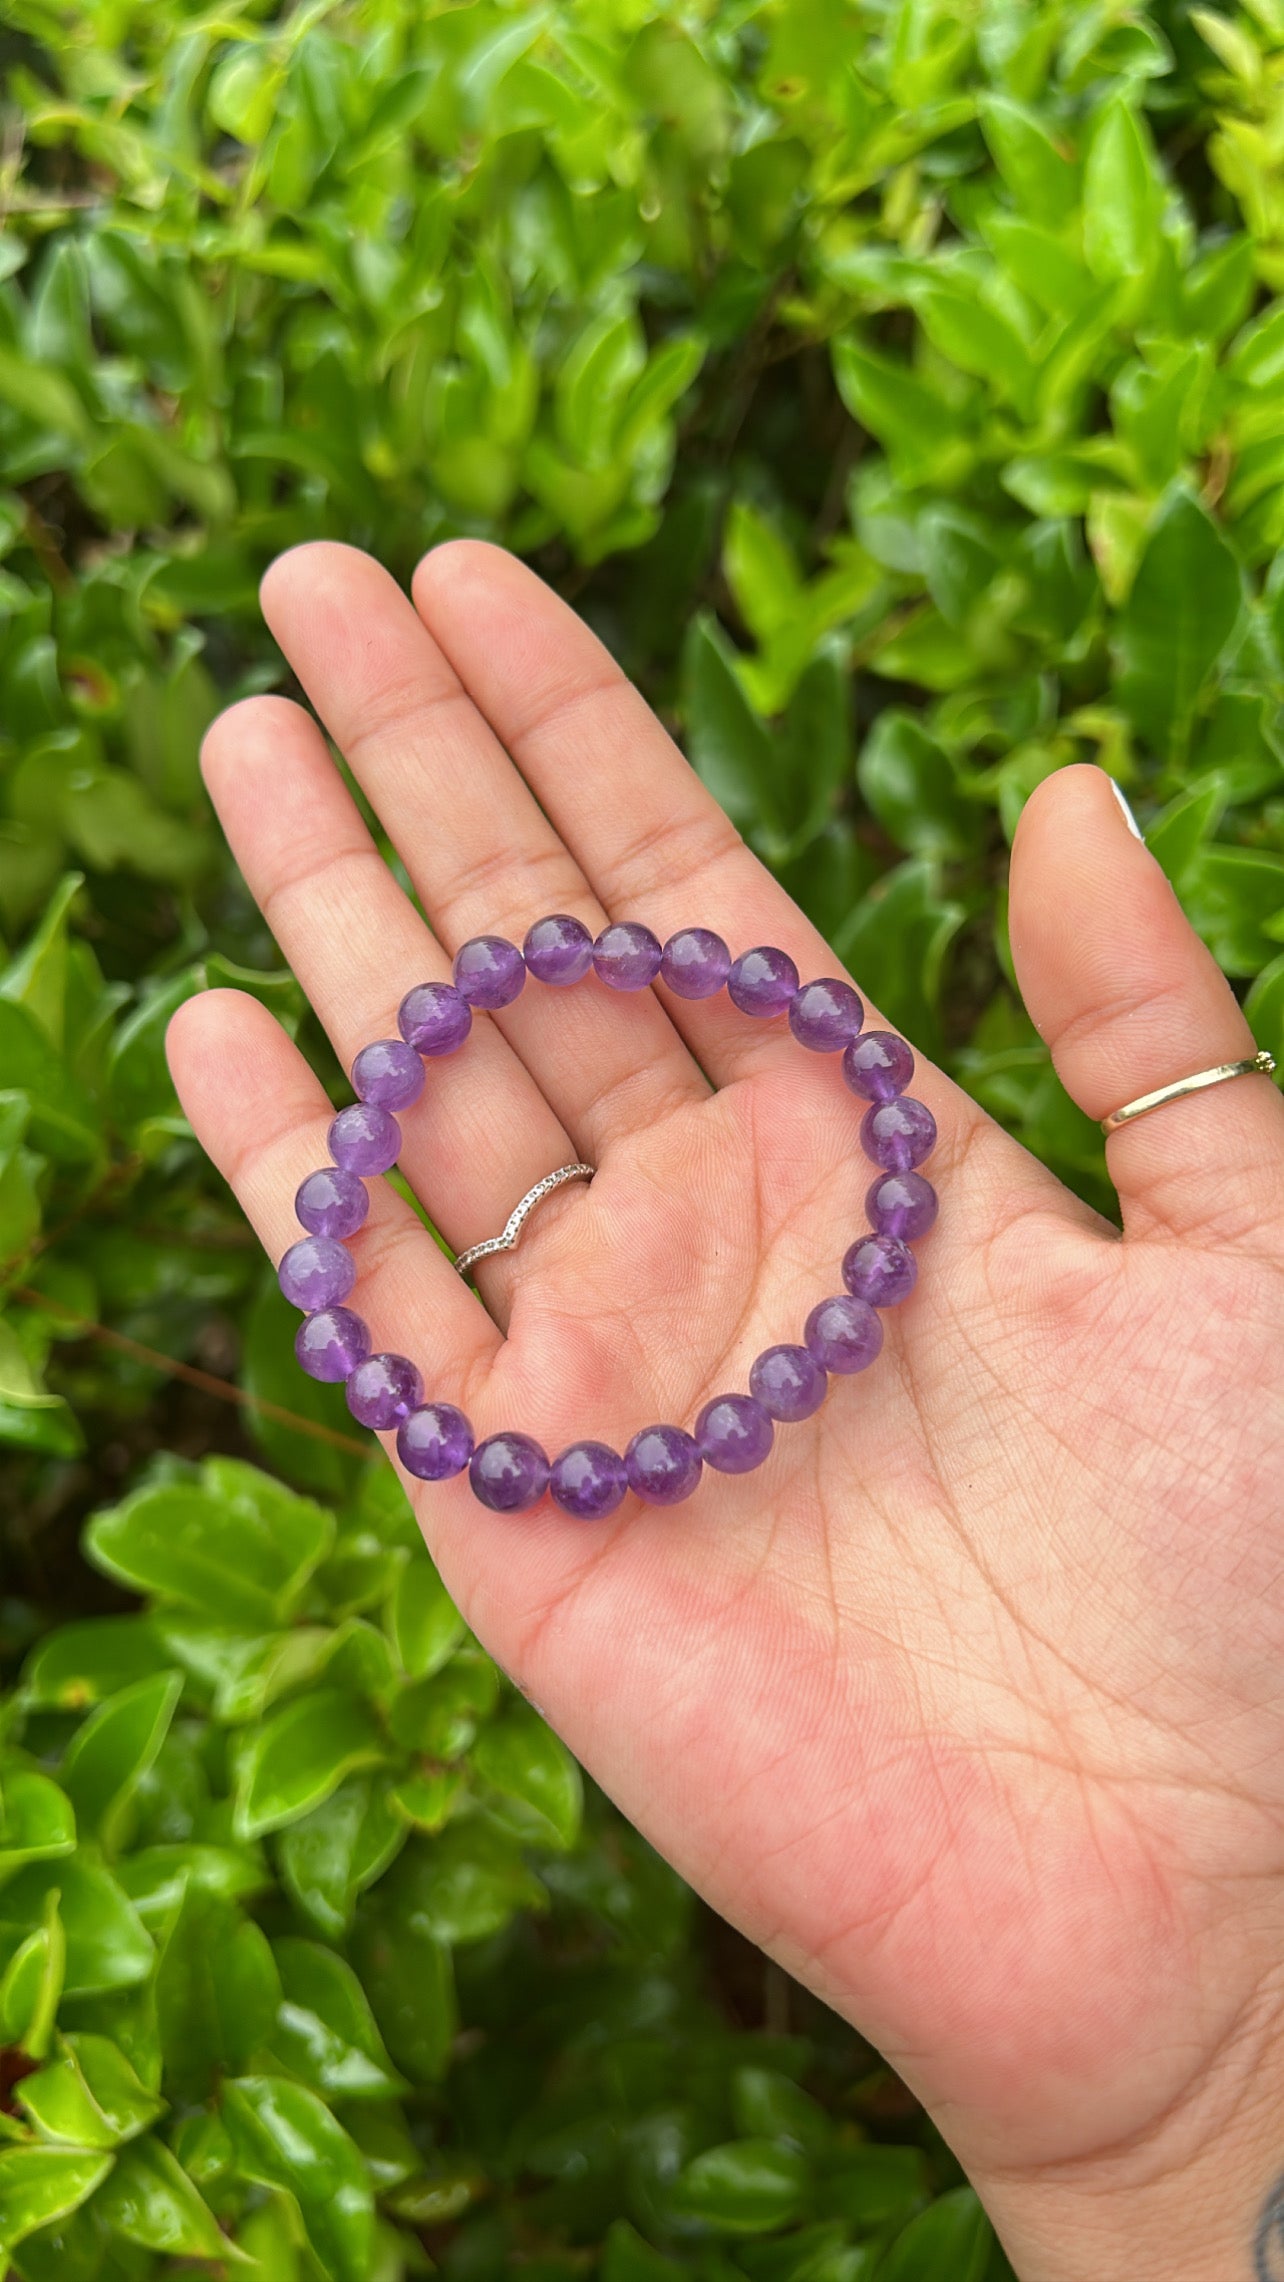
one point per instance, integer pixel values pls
(461, 1886)
(108, 1946)
(37, 1820)
(300, 1755)
(284, 2137)
(241, 1548)
(80, 1664)
(332, 1854)
(37, 977)
(41, 2184)
(325, 2031)
(1180, 831)
(1120, 194)
(31, 1985)
(407, 1975)
(534, 1774)
(748, 2186)
(110, 1753)
(907, 779)
(423, 1624)
(729, 748)
(217, 1992)
(1037, 169)
(953, 2237)
(769, 2105)
(1184, 606)
(149, 2199)
(90, 2096)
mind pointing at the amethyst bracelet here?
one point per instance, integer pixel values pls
(733, 1433)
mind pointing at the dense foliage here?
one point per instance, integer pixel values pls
(896, 385)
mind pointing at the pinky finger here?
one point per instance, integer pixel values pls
(261, 1116)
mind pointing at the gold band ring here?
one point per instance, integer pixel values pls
(1263, 1062)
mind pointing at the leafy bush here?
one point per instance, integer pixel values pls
(896, 385)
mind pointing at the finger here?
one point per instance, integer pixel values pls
(259, 1113)
(481, 855)
(652, 841)
(1128, 998)
(357, 945)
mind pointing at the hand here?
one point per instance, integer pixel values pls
(969, 1705)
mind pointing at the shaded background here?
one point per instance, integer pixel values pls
(896, 387)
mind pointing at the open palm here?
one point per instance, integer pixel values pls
(968, 1704)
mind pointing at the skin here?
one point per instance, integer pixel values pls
(968, 1706)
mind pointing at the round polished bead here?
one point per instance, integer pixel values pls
(826, 1015)
(489, 971)
(316, 1272)
(899, 1134)
(734, 1433)
(843, 1333)
(878, 1066)
(435, 1442)
(331, 1343)
(558, 950)
(663, 1464)
(383, 1390)
(332, 1203)
(695, 963)
(627, 955)
(901, 1204)
(879, 1269)
(434, 1018)
(508, 1473)
(365, 1139)
(788, 1382)
(588, 1480)
(389, 1073)
(763, 981)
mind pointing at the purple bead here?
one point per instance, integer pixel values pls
(663, 1464)
(489, 971)
(788, 1382)
(879, 1269)
(365, 1139)
(826, 1015)
(330, 1344)
(316, 1272)
(901, 1204)
(389, 1073)
(627, 955)
(734, 1433)
(434, 1019)
(332, 1203)
(898, 1135)
(843, 1333)
(762, 981)
(588, 1481)
(508, 1473)
(435, 1442)
(558, 950)
(696, 963)
(383, 1390)
(878, 1066)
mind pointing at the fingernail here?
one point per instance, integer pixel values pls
(1129, 819)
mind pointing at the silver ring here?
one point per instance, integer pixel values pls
(521, 1213)
(1264, 1062)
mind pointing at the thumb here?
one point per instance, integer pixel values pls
(1128, 999)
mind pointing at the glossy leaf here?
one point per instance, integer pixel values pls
(285, 2137)
(109, 1755)
(149, 2199)
(535, 1776)
(423, 1623)
(41, 2184)
(325, 2031)
(747, 2187)
(1183, 608)
(300, 1755)
(240, 1547)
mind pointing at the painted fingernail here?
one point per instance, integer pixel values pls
(1129, 819)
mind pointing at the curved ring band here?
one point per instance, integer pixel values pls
(521, 1213)
(1264, 1062)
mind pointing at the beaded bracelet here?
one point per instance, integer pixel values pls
(509, 1472)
